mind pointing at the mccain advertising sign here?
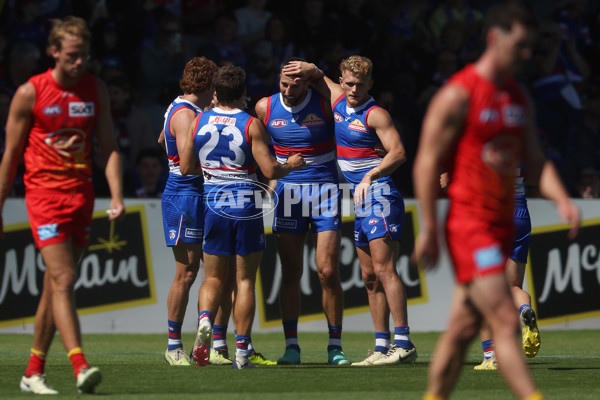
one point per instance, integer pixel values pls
(563, 274)
(355, 294)
(115, 271)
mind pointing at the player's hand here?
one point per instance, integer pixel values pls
(380, 150)
(296, 161)
(116, 211)
(298, 69)
(569, 212)
(361, 191)
(444, 181)
(427, 250)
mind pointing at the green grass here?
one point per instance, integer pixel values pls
(567, 367)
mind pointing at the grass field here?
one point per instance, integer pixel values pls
(567, 367)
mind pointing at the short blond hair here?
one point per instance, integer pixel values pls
(72, 26)
(358, 65)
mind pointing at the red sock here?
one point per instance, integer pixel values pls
(77, 360)
(37, 360)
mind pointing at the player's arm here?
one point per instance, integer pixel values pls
(180, 126)
(269, 166)
(381, 122)
(261, 109)
(161, 140)
(105, 133)
(17, 129)
(442, 127)
(261, 112)
(188, 159)
(538, 169)
(322, 84)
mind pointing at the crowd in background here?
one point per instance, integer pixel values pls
(140, 47)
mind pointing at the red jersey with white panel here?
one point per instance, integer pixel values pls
(176, 182)
(479, 229)
(58, 154)
(304, 129)
(482, 169)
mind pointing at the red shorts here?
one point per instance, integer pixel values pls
(476, 248)
(55, 215)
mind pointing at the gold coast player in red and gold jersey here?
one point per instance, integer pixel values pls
(479, 127)
(51, 118)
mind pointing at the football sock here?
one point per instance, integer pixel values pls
(37, 360)
(205, 314)
(77, 360)
(488, 348)
(382, 341)
(220, 337)
(174, 335)
(241, 342)
(523, 308)
(402, 337)
(290, 329)
(335, 337)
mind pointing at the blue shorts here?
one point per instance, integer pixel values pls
(522, 223)
(234, 226)
(182, 218)
(380, 215)
(299, 205)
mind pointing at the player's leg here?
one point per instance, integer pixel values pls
(219, 354)
(187, 263)
(380, 313)
(449, 352)
(384, 253)
(244, 308)
(61, 268)
(491, 296)
(327, 255)
(530, 335)
(216, 273)
(291, 250)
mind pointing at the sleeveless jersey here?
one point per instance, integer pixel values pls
(482, 170)
(58, 154)
(223, 146)
(355, 140)
(520, 199)
(303, 129)
(177, 183)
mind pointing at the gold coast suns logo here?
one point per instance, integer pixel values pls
(501, 154)
(66, 141)
(312, 120)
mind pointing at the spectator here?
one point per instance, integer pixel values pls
(148, 179)
(224, 48)
(132, 126)
(279, 32)
(23, 63)
(163, 60)
(454, 10)
(252, 20)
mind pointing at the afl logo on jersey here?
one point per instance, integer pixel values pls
(66, 141)
(52, 110)
(338, 117)
(81, 109)
(278, 123)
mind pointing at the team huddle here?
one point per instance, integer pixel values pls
(216, 150)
